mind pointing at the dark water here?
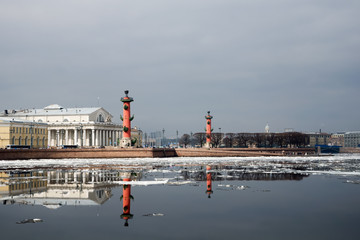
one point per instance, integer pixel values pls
(194, 203)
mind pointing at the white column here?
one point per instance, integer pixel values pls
(93, 137)
(49, 137)
(84, 137)
(66, 137)
(107, 137)
(57, 137)
(75, 137)
(103, 137)
(112, 138)
(97, 138)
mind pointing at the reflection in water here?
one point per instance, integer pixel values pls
(126, 197)
(208, 181)
(85, 187)
(56, 188)
(254, 198)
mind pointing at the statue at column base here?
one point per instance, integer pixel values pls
(207, 145)
(125, 143)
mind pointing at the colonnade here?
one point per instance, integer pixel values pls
(83, 137)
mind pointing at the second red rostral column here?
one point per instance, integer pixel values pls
(208, 130)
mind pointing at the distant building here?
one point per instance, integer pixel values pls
(289, 130)
(352, 139)
(73, 126)
(318, 138)
(154, 139)
(267, 128)
(16, 132)
(337, 139)
(137, 136)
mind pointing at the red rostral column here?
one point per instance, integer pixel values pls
(126, 139)
(208, 130)
(126, 197)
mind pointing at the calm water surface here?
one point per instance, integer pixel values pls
(238, 198)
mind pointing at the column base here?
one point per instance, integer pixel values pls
(207, 145)
(125, 143)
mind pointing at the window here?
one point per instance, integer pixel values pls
(100, 118)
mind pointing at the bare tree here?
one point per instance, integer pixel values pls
(270, 139)
(229, 139)
(242, 139)
(259, 139)
(185, 140)
(200, 138)
(216, 139)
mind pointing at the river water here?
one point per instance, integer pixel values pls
(181, 198)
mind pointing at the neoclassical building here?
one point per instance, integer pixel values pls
(17, 133)
(85, 127)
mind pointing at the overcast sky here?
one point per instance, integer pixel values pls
(291, 63)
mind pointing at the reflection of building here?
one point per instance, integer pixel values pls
(240, 173)
(73, 126)
(58, 188)
(17, 132)
(14, 183)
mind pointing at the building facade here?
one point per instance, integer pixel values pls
(337, 139)
(352, 139)
(84, 127)
(16, 132)
(318, 139)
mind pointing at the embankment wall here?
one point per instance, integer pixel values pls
(15, 154)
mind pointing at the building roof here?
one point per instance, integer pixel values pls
(54, 109)
(353, 132)
(14, 120)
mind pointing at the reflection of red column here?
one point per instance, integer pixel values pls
(208, 130)
(126, 139)
(126, 197)
(208, 181)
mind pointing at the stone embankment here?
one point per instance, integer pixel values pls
(242, 152)
(349, 150)
(17, 154)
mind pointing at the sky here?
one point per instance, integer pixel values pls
(289, 63)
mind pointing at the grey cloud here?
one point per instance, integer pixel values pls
(289, 63)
